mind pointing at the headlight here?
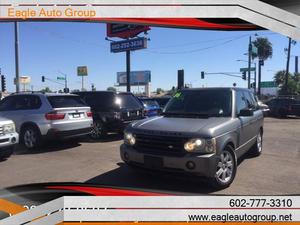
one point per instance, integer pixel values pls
(129, 139)
(9, 128)
(201, 145)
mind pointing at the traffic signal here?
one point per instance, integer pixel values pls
(43, 78)
(202, 75)
(3, 83)
(253, 85)
(244, 76)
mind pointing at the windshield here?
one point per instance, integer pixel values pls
(128, 101)
(206, 102)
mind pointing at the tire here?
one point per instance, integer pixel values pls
(31, 137)
(98, 130)
(257, 147)
(282, 113)
(6, 153)
(225, 169)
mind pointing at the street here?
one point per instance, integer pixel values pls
(276, 171)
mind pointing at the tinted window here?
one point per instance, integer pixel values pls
(202, 102)
(101, 101)
(240, 102)
(251, 102)
(7, 104)
(65, 101)
(128, 101)
(20, 102)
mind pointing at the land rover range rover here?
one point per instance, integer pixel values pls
(201, 132)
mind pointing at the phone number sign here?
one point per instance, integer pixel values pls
(128, 45)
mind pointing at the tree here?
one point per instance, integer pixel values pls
(46, 90)
(264, 48)
(293, 85)
(159, 91)
(111, 89)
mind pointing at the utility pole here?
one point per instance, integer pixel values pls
(255, 80)
(287, 67)
(296, 64)
(17, 56)
(128, 70)
(249, 62)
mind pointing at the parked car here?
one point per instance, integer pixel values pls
(8, 137)
(112, 112)
(201, 132)
(39, 116)
(151, 107)
(284, 106)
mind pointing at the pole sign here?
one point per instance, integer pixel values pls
(82, 71)
(246, 69)
(125, 30)
(136, 78)
(61, 78)
(128, 45)
(268, 84)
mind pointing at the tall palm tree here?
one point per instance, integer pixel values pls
(264, 48)
(264, 52)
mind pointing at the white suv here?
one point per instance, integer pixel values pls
(8, 137)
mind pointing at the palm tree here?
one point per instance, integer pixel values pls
(264, 48)
(264, 51)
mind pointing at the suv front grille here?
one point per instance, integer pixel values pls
(1, 131)
(160, 144)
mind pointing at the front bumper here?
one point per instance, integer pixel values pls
(7, 140)
(205, 165)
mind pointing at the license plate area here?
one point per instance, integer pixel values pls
(76, 115)
(153, 162)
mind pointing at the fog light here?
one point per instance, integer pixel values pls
(126, 156)
(190, 165)
(13, 140)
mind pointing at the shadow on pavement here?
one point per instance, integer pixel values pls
(127, 177)
(49, 146)
(108, 138)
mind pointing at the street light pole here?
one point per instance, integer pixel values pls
(287, 67)
(17, 56)
(128, 70)
(249, 61)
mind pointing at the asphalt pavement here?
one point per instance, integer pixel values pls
(275, 172)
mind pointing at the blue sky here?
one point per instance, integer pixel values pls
(49, 47)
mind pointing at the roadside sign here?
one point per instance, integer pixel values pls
(24, 79)
(128, 45)
(268, 84)
(246, 69)
(82, 71)
(125, 30)
(61, 78)
(136, 78)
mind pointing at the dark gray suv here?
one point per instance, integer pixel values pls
(201, 132)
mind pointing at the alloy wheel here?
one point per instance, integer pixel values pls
(30, 138)
(225, 167)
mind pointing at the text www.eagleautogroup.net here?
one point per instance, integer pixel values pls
(241, 218)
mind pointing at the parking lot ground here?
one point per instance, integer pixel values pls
(276, 171)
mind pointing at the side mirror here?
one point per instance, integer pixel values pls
(246, 112)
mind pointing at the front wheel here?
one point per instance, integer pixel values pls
(226, 169)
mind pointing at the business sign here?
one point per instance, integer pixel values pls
(131, 44)
(82, 71)
(136, 78)
(61, 78)
(268, 84)
(24, 80)
(125, 30)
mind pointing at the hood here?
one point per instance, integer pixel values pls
(206, 127)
